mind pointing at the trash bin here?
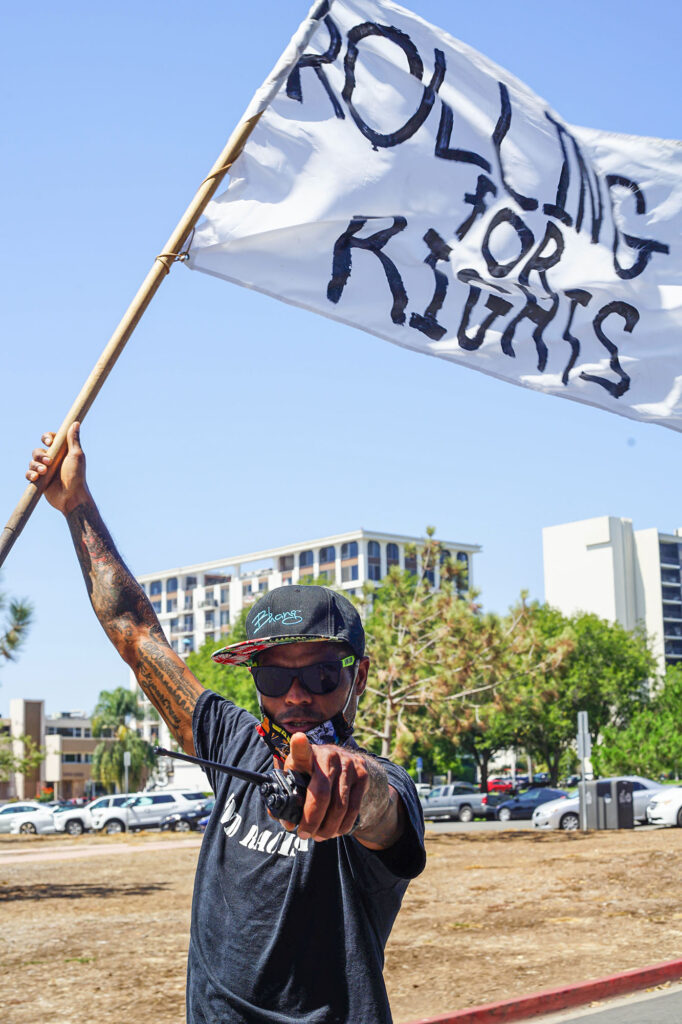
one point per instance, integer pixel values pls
(625, 804)
(607, 804)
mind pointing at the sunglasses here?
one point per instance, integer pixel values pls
(320, 678)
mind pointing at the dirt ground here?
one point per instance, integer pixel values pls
(103, 935)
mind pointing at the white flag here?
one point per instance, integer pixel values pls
(402, 183)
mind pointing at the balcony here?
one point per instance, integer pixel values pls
(208, 603)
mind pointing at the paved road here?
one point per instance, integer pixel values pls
(663, 1007)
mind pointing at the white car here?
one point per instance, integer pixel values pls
(10, 811)
(76, 820)
(565, 813)
(665, 807)
(145, 810)
(40, 820)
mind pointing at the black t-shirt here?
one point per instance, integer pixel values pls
(285, 929)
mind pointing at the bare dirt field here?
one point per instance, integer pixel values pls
(103, 935)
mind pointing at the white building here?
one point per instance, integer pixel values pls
(196, 603)
(629, 576)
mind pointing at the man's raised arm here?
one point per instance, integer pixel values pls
(119, 602)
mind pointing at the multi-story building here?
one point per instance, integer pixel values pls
(196, 603)
(629, 576)
(69, 746)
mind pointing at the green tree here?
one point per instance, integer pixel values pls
(17, 617)
(571, 664)
(113, 711)
(431, 650)
(231, 681)
(651, 742)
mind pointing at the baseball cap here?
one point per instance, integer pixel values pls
(292, 615)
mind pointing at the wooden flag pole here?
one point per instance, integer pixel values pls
(173, 251)
(160, 268)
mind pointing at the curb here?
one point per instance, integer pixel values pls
(563, 998)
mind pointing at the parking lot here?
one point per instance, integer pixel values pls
(98, 925)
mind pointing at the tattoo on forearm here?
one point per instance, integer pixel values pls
(131, 623)
(381, 819)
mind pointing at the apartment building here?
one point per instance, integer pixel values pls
(69, 745)
(196, 603)
(604, 566)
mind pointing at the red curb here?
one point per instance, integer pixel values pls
(563, 998)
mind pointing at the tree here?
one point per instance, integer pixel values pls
(113, 710)
(29, 759)
(231, 681)
(17, 616)
(651, 742)
(431, 650)
(571, 664)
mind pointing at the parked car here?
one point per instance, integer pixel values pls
(187, 820)
(458, 801)
(423, 788)
(565, 814)
(145, 810)
(75, 820)
(522, 806)
(665, 807)
(34, 822)
(10, 811)
(500, 786)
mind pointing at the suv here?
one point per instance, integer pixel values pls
(145, 810)
(76, 820)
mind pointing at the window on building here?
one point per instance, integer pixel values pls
(305, 559)
(189, 603)
(190, 582)
(463, 578)
(286, 563)
(674, 648)
(247, 588)
(374, 560)
(670, 576)
(188, 623)
(224, 618)
(209, 620)
(672, 611)
(349, 550)
(348, 573)
(174, 625)
(224, 595)
(156, 605)
(209, 594)
(392, 555)
(187, 644)
(670, 553)
(262, 586)
(71, 758)
(171, 604)
(411, 561)
(172, 585)
(430, 575)
(327, 554)
(155, 587)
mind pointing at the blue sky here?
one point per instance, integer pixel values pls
(214, 433)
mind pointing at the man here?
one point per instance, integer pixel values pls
(287, 924)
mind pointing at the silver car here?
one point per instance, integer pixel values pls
(565, 813)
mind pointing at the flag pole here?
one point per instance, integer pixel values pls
(172, 251)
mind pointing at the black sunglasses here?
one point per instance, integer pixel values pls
(320, 678)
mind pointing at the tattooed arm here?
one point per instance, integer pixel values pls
(119, 602)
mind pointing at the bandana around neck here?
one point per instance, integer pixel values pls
(335, 730)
